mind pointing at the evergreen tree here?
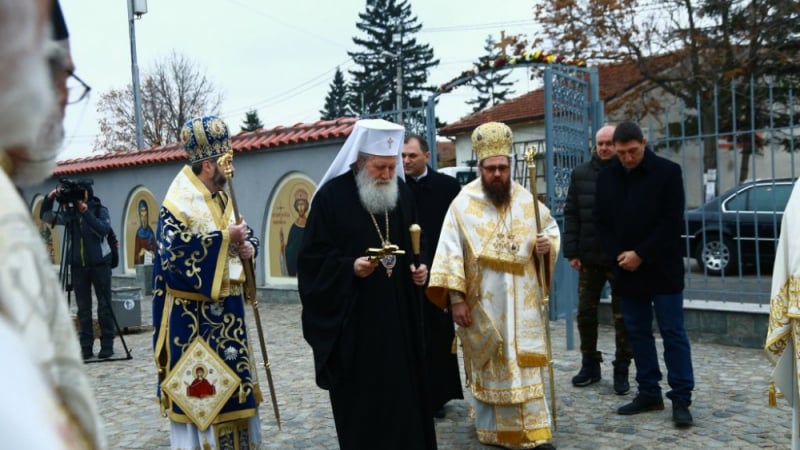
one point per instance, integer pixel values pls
(389, 28)
(491, 85)
(251, 121)
(336, 104)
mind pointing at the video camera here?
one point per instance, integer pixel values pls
(73, 190)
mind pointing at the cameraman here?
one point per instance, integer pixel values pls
(86, 221)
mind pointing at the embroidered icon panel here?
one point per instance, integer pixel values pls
(201, 383)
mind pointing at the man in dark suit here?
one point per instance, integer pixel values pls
(433, 193)
(639, 217)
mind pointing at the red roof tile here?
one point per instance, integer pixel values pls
(525, 108)
(445, 153)
(243, 142)
(615, 79)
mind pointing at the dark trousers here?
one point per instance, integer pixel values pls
(638, 315)
(443, 376)
(590, 286)
(83, 278)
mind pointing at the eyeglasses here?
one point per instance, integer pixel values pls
(77, 89)
(492, 169)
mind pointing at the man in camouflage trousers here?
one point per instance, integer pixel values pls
(585, 255)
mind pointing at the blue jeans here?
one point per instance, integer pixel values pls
(637, 311)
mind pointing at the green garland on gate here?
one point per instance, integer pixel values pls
(536, 56)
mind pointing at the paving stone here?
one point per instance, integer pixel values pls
(729, 401)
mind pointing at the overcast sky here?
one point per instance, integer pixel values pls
(275, 56)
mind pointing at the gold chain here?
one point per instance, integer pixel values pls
(377, 228)
(506, 240)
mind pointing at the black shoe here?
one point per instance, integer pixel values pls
(105, 353)
(589, 373)
(439, 413)
(546, 446)
(681, 415)
(621, 385)
(641, 404)
(87, 354)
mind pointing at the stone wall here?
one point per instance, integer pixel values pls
(728, 323)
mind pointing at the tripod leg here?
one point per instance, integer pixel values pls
(106, 299)
(105, 312)
(119, 331)
(64, 274)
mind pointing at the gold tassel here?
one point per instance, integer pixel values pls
(773, 402)
(454, 346)
(257, 393)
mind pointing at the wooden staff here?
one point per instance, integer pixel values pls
(543, 294)
(226, 162)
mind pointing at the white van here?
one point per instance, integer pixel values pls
(464, 174)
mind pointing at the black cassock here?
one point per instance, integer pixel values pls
(433, 194)
(366, 333)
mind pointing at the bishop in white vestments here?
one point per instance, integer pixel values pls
(783, 334)
(484, 270)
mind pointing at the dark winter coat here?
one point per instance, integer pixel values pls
(433, 194)
(642, 210)
(579, 239)
(88, 230)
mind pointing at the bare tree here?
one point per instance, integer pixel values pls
(694, 50)
(174, 91)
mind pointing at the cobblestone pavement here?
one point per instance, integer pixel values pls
(730, 399)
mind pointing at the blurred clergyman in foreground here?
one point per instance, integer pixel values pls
(47, 402)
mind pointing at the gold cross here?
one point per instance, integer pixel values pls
(505, 42)
(389, 142)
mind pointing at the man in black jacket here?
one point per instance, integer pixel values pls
(585, 254)
(87, 223)
(433, 193)
(639, 218)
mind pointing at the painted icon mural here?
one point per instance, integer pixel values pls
(141, 219)
(50, 234)
(287, 222)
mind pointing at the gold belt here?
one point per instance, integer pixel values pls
(233, 289)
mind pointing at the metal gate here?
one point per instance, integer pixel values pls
(573, 114)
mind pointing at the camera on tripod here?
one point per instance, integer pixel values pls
(73, 190)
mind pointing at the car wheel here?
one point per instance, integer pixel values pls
(717, 256)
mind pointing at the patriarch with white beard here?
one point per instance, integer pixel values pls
(361, 313)
(378, 192)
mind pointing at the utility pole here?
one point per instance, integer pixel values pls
(398, 37)
(136, 8)
(400, 90)
(398, 105)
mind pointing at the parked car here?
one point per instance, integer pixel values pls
(464, 174)
(739, 227)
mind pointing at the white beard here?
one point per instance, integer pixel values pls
(376, 197)
(40, 157)
(29, 115)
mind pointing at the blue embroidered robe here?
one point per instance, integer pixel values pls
(197, 284)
